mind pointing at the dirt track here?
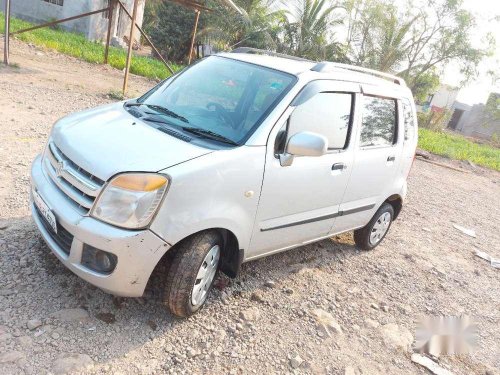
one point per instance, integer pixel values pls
(424, 267)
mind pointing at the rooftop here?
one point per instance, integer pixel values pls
(297, 66)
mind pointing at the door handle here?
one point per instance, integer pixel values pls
(338, 166)
(391, 158)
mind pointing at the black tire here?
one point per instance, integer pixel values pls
(180, 280)
(362, 235)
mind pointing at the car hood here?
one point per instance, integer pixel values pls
(107, 140)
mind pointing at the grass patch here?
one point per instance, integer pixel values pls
(76, 45)
(457, 147)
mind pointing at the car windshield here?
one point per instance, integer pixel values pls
(224, 96)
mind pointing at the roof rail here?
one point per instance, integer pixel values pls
(257, 51)
(326, 66)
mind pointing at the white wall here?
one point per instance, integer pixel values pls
(444, 97)
(93, 27)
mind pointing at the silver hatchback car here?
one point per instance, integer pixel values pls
(240, 156)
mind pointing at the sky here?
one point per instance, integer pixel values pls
(478, 91)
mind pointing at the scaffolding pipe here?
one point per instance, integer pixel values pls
(130, 44)
(48, 24)
(110, 24)
(194, 36)
(147, 38)
(6, 33)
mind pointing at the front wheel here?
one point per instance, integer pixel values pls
(368, 237)
(192, 273)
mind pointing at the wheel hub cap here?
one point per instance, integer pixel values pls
(380, 228)
(205, 276)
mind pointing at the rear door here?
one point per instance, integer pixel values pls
(377, 158)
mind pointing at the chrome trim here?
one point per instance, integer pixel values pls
(79, 185)
(66, 188)
(72, 176)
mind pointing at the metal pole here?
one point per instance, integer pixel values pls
(59, 21)
(130, 43)
(110, 24)
(147, 38)
(194, 35)
(6, 33)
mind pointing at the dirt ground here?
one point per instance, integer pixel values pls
(264, 321)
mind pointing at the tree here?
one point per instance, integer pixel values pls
(170, 26)
(309, 32)
(413, 42)
(257, 26)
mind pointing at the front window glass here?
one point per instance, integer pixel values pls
(328, 114)
(227, 97)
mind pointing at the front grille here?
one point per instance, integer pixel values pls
(80, 186)
(62, 238)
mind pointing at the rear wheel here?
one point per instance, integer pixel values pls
(368, 237)
(192, 273)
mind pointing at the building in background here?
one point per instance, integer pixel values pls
(478, 121)
(441, 100)
(94, 27)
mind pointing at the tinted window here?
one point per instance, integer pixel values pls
(328, 114)
(379, 122)
(409, 120)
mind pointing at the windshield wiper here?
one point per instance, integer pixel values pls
(160, 109)
(209, 134)
(198, 131)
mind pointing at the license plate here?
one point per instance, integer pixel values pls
(45, 211)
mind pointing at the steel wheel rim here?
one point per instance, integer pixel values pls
(205, 276)
(380, 228)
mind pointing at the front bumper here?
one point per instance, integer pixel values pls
(138, 252)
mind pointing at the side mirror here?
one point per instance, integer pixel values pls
(304, 144)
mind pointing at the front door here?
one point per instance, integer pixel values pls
(300, 202)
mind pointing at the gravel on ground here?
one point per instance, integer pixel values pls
(324, 308)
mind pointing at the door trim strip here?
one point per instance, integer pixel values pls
(323, 217)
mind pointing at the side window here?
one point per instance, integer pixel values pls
(409, 120)
(379, 122)
(328, 114)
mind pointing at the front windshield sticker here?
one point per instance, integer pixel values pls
(277, 85)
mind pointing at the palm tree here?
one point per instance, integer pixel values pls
(308, 33)
(255, 25)
(378, 36)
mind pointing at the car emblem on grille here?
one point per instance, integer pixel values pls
(60, 168)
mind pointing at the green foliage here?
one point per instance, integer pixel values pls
(77, 45)
(436, 121)
(424, 85)
(171, 26)
(116, 95)
(309, 34)
(492, 109)
(457, 147)
(258, 27)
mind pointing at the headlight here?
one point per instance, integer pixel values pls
(131, 199)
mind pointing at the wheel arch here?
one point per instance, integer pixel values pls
(396, 201)
(232, 255)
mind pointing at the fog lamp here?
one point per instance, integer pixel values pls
(98, 260)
